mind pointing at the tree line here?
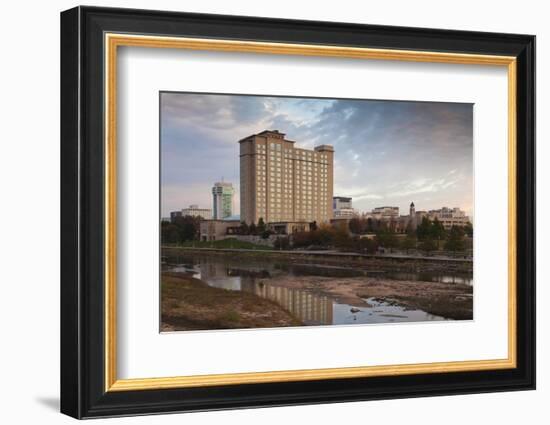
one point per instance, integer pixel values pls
(368, 236)
(180, 229)
(359, 235)
(259, 229)
(187, 228)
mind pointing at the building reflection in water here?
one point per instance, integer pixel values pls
(308, 307)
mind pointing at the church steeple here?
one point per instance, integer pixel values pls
(412, 216)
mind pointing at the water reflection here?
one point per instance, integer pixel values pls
(311, 308)
(381, 312)
(308, 307)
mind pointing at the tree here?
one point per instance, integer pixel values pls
(244, 230)
(341, 236)
(437, 230)
(170, 233)
(387, 239)
(373, 246)
(423, 230)
(252, 229)
(189, 227)
(455, 242)
(325, 235)
(369, 226)
(427, 245)
(282, 242)
(409, 230)
(301, 239)
(261, 226)
(469, 230)
(361, 244)
(409, 242)
(356, 226)
(313, 225)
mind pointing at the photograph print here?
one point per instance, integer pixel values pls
(289, 211)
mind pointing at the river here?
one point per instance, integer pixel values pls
(311, 307)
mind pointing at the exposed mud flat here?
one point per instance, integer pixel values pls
(449, 300)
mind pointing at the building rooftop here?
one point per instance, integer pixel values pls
(279, 135)
(324, 148)
(267, 132)
(275, 133)
(221, 220)
(290, 222)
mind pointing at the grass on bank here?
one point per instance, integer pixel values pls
(190, 304)
(229, 243)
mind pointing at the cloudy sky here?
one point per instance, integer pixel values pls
(386, 152)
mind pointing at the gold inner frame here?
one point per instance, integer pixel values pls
(113, 41)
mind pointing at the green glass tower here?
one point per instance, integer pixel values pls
(222, 200)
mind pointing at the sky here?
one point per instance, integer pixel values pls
(387, 153)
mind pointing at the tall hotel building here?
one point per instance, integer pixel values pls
(281, 183)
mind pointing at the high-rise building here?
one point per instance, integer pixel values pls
(282, 183)
(222, 199)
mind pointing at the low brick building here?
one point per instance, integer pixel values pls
(215, 230)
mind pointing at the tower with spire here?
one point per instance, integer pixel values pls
(412, 215)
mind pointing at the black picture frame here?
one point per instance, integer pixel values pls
(83, 392)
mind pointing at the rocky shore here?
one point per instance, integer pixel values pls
(449, 300)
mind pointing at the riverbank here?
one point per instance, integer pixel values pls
(448, 300)
(361, 261)
(190, 304)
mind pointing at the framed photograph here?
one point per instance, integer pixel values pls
(261, 212)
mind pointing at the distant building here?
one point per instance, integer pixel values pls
(282, 183)
(383, 213)
(222, 200)
(342, 207)
(339, 202)
(175, 214)
(412, 210)
(215, 230)
(386, 211)
(412, 216)
(449, 217)
(195, 211)
(288, 227)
